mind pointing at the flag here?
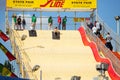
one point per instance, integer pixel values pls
(3, 36)
(7, 53)
(5, 72)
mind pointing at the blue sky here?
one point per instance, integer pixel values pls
(107, 10)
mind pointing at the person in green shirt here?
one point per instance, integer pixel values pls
(15, 20)
(64, 23)
(50, 23)
(34, 19)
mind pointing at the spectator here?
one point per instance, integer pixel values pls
(34, 19)
(23, 23)
(64, 23)
(59, 22)
(50, 23)
(94, 29)
(108, 41)
(15, 20)
(101, 26)
(99, 30)
(90, 25)
(19, 23)
(97, 25)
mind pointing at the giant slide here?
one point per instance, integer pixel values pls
(72, 55)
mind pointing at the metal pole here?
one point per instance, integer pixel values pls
(96, 15)
(40, 20)
(41, 75)
(23, 14)
(118, 30)
(117, 18)
(6, 20)
(119, 27)
(58, 13)
(75, 22)
(117, 22)
(91, 17)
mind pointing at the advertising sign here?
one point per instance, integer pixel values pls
(23, 3)
(51, 4)
(80, 19)
(68, 4)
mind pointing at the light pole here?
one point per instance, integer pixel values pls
(117, 18)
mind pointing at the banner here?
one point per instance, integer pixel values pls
(80, 19)
(68, 4)
(84, 4)
(23, 3)
(5, 72)
(3, 36)
(7, 53)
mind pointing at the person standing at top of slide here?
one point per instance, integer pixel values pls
(50, 23)
(59, 22)
(34, 19)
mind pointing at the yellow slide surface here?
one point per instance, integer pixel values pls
(59, 59)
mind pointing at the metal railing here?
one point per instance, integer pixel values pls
(115, 37)
(21, 57)
(42, 23)
(101, 47)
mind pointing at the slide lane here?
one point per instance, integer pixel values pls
(62, 58)
(113, 75)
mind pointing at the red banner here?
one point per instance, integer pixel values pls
(7, 53)
(3, 36)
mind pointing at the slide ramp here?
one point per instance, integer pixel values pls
(59, 59)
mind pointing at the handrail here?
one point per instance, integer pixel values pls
(42, 23)
(101, 47)
(115, 37)
(111, 71)
(21, 56)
